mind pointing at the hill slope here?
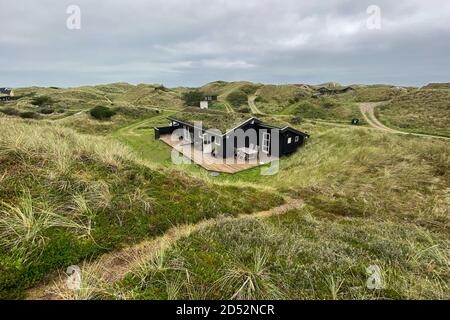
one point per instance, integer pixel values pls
(66, 197)
(420, 111)
(374, 201)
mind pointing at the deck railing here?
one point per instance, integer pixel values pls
(164, 130)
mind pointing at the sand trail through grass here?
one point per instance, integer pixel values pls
(112, 267)
(368, 111)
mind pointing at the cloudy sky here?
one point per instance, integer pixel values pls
(191, 42)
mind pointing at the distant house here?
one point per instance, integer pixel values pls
(5, 91)
(210, 98)
(6, 94)
(231, 135)
(333, 91)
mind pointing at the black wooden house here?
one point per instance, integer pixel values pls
(224, 134)
(5, 94)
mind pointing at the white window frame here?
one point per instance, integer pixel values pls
(206, 138)
(265, 144)
(217, 141)
(289, 141)
(297, 138)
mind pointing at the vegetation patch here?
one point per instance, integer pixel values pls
(237, 98)
(420, 111)
(193, 98)
(300, 255)
(42, 101)
(29, 115)
(102, 113)
(67, 197)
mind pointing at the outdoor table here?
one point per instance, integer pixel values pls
(249, 153)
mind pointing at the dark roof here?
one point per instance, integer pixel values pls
(5, 90)
(225, 122)
(335, 90)
(210, 120)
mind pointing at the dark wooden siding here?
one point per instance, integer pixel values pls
(285, 146)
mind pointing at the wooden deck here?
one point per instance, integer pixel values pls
(207, 161)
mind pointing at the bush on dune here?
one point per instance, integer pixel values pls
(237, 98)
(102, 113)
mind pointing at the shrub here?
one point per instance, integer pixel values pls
(101, 113)
(249, 88)
(10, 111)
(244, 110)
(42, 101)
(46, 110)
(296, 120)
(237, 98)
(193, 98)
(29, 115)
(162, 88)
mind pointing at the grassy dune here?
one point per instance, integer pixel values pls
(372, 199)
(125, 99)
(305, 254)
(275, 98)
(66, 197)
(420, 111)
(376, 93)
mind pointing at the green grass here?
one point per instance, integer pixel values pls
(330, 108)
(140, 136)
(305, 254)
(375, 93)
(420, 111)
(274, 98)
(371, 198)
(223, 89)
(217, 106)
(67, 197)
(127, 99)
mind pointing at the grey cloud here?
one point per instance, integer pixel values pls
(189, 42)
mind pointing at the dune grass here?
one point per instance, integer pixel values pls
(305, 254)
(420, 111)
(128, 101)
(376, 93)
(87, 195)
(373, 199)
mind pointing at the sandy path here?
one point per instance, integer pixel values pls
(367, 110)
(252, 104)
(113, 266)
